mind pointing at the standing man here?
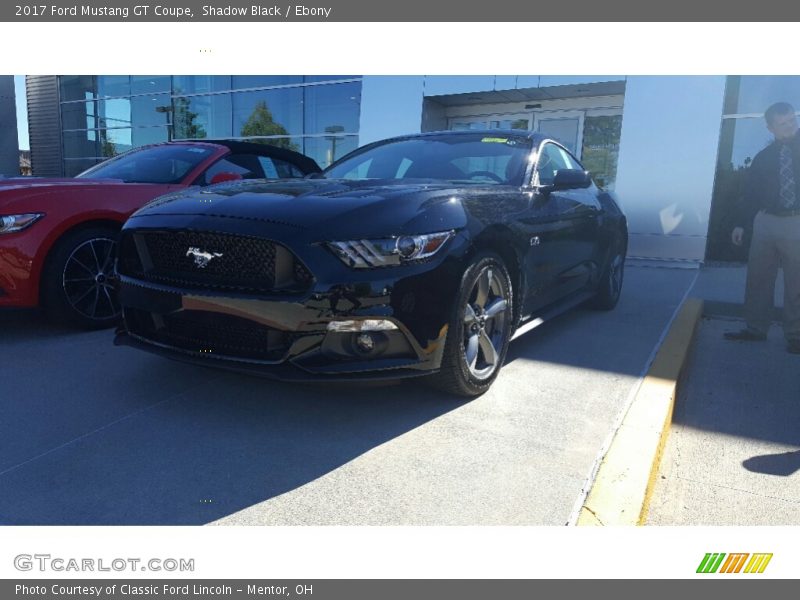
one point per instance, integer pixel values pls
(772, 206)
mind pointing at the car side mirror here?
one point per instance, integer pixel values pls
(569, 179)
(224, 176)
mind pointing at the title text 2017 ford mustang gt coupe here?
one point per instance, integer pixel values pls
(416, 255)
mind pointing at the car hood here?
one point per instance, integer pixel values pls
(371, 206)
(38, 195)
(44, 182)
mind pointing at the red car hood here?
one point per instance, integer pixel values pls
(20, 195)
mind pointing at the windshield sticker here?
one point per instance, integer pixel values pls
(492, 140)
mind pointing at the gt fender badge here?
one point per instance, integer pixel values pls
(201, 259)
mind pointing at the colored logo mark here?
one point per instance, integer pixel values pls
(734, 563)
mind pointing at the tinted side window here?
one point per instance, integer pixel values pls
(569, 160)
(551, 159)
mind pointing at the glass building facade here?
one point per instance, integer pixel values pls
(105, 115)
(743, 134)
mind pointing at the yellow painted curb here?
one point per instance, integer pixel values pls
(620, 494)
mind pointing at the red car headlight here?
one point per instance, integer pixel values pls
(13, 223)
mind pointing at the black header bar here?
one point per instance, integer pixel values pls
(376, 589)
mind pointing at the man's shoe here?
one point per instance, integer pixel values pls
(745, 335)
(793, 347)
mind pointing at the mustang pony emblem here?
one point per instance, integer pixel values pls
(201, 259)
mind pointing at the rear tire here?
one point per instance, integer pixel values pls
(78, 279)
(480, 329)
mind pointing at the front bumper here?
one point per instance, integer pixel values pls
(19, 268)
(288, 336)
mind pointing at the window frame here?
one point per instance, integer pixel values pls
(534, 172)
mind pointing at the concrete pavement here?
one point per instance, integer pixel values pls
(733, 454)
(93, 434)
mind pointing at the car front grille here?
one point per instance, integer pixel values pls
(211, 260)
(211, 334)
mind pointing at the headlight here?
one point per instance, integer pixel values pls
(12, 223)
(387, 252)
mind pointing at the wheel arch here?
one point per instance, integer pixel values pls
(49, 251)
(498, 239)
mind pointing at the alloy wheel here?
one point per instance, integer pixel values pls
(486, 315)
(88, 279)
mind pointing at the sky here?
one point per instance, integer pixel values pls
(22, 112)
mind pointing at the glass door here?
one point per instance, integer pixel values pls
(512, 121)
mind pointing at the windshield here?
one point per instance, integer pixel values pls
(480, 157)
(155, 164)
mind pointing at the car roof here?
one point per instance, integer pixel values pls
(307, 164)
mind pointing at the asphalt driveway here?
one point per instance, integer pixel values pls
(95, 434)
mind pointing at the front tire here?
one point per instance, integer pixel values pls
(480, 329)
(77, 280)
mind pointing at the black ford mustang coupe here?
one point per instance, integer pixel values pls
(418, 255)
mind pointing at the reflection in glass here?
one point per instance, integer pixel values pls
(80, 144)
(162, 164)
(113, 85)
(255, 81)
(142, 109)
(151, 110)
(740, 141)
(150, 84)
(755, 93)
(328, 106)
(149, 135)
(290, 143)
(327, 149)
(443, 157)
(200, 84)
(78, 115)
(114, 141)
(114, 113)
(601, 148)
(199, 117)
(271, 112)
(77, 87)
(310, 78)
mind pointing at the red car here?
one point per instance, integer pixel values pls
(58, 236)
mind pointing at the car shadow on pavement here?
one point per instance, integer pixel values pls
(29, 324)
(214, 444)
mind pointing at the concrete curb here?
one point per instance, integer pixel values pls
(620, 494)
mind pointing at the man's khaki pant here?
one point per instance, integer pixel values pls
(776, 243)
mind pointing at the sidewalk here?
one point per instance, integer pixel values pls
(733, 454)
